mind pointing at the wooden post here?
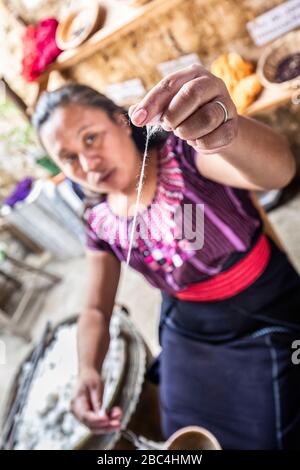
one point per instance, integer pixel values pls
(19, 103)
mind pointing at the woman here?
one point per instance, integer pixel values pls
(230, 298)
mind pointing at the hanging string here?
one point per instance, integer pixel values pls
(151, 130)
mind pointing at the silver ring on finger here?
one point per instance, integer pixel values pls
(225, 111)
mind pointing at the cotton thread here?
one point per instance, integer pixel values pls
(151, 130)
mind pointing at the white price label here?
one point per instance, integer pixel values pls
(126, 91)
(275, 22)
(165, 68)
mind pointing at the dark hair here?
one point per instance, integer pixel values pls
(74, 93)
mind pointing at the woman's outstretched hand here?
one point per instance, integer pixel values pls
(186, 102)
(87, 401)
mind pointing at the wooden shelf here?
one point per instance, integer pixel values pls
(120, 20)
(268, 99)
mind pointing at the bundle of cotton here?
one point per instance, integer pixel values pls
(46, 421)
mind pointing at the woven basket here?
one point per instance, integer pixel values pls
(94, 12)
(128, 388)
(273, 55)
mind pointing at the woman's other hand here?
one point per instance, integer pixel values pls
(87, 401)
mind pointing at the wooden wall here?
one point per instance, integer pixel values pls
(11, 32)
(206, 27)
(201, 26)
(33, 11)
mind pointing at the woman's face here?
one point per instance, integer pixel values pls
(92, 149)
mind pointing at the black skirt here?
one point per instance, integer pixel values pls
(228, 365)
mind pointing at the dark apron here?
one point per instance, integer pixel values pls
(228, 366)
